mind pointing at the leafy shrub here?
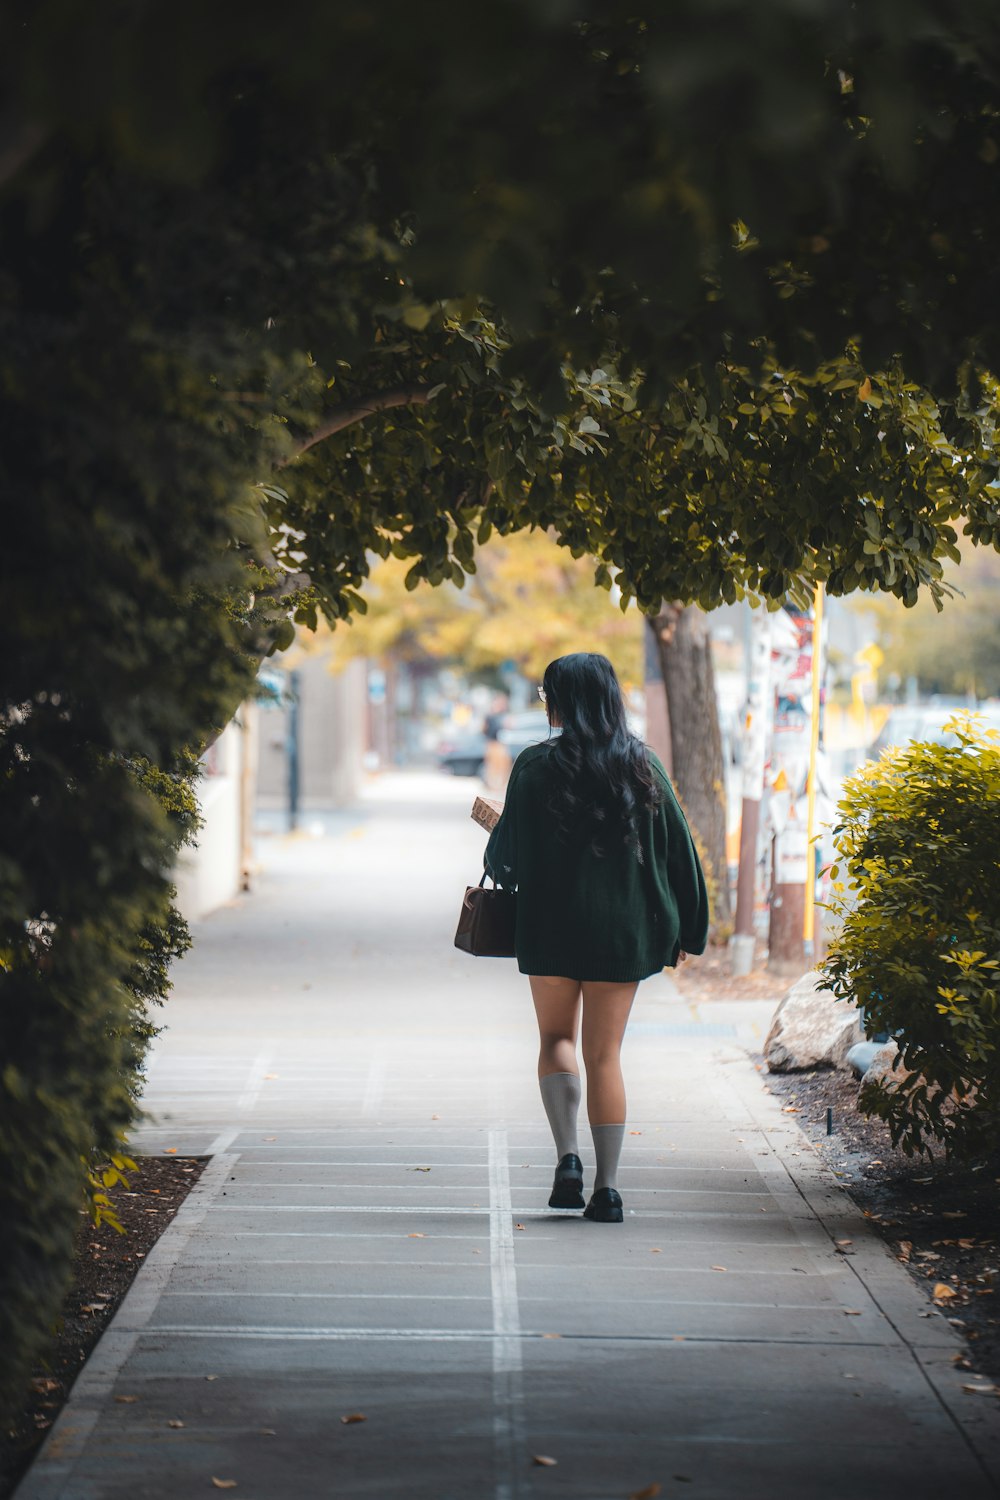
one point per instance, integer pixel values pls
(78, 981)
(919, 949)
(122, 573)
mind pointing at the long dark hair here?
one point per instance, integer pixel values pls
(603, 776)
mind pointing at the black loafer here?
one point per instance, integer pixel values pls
(567, 1186)
(605, 1207)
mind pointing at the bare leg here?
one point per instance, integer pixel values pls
(557, 1007)
(606, 1010)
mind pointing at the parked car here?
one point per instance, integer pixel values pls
(462, 752)
(518, 731)
(926, 721)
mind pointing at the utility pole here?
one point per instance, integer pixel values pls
(809, 922)
(755, 732)
(292, 744)
(797, 666)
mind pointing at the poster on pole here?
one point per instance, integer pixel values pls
(787, 773)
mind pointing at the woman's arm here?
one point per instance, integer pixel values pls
(500, 859)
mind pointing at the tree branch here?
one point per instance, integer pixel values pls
(346, 416)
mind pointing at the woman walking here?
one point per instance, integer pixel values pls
(610, 891)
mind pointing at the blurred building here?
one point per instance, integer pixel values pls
(322, 737)
(211, 872)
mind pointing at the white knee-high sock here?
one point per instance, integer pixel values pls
(561, 1097)
(608, 1147)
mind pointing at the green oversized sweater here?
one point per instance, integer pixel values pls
(616, 917)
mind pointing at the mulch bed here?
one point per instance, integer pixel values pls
(104, 1268)
(941, 1220)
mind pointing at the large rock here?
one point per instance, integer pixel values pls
(811, 1029)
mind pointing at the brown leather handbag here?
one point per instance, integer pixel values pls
(486, 921)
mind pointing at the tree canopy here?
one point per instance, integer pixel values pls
(557, 158)
(743, 482)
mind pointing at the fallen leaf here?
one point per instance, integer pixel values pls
(551, 1335)
(416, 1236)
(271, 1075)
(843, 1242)
(174, 1423)
(270, 1137)
(718, 1268)
(635, 1132)
(791, 1109)
(943, 1292)
(172, 1151)
(543, 1461)
(224, 1484)
(982, 1390)
(93, 1307)
(126, 1400)
(518, 1226)
(955, 1213)
(477, 1252)
(965, 1244)
(420, 1169)
(211, 1377)
(268, 1432)
(852, 1312)
(435, 1117)
(44, 1383)
(649, 1493)
(354, 1416)
(656, 1250)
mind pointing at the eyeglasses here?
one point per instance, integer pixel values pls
(541, 693)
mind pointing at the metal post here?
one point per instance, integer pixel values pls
(292, 745)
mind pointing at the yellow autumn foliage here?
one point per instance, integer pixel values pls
(529, 601)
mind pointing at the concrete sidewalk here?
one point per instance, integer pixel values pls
(371, 1238)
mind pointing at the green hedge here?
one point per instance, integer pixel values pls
(121, 585)
(919, 948)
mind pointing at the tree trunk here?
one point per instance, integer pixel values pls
(685, 653)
